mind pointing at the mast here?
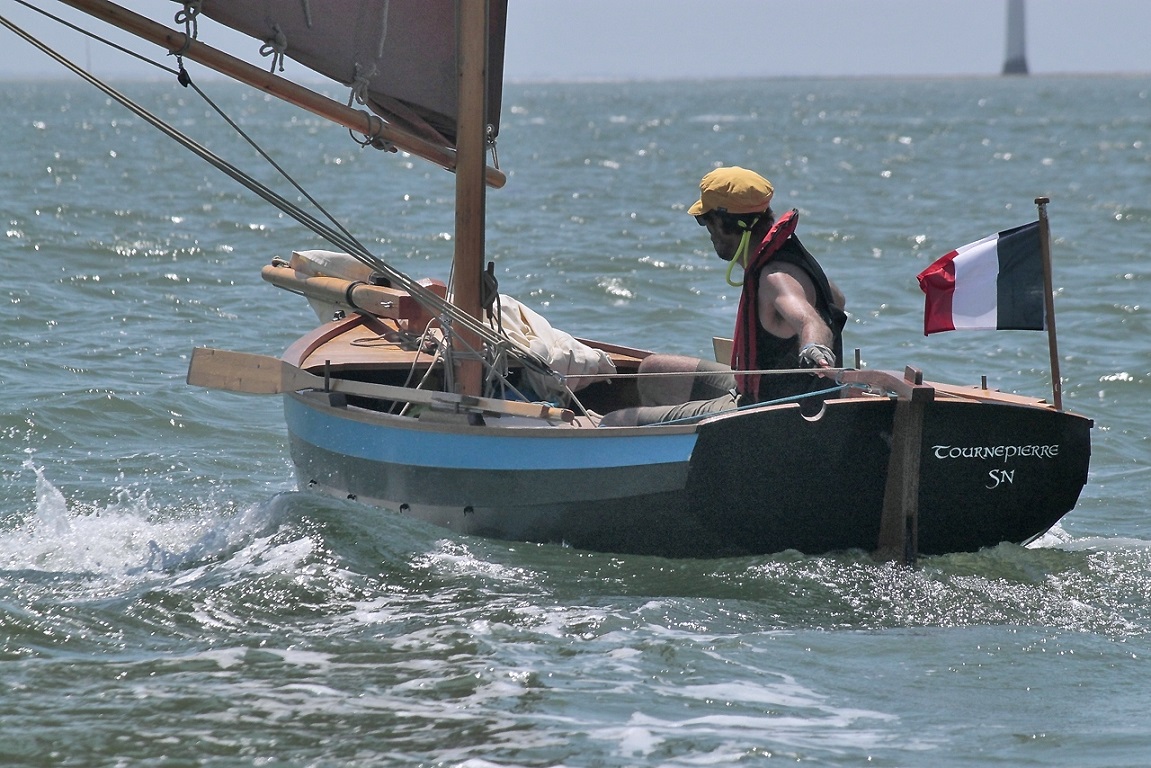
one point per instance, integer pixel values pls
(471, 199)
(1015, 61)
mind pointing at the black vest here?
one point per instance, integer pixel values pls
(775, 353)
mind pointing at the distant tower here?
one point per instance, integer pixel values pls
(1016, 61)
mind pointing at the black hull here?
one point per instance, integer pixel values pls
(749, 483)
(825, 492)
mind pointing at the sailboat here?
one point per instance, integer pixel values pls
(464, 408)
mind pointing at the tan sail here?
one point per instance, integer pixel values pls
(410, 135)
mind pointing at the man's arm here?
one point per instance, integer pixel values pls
(787, 309)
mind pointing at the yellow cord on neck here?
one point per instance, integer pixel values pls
(741, 252)
(739, 258)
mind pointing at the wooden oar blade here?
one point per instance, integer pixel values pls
(236, 371)
(264, 375)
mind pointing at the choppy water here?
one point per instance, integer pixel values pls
(166, 598)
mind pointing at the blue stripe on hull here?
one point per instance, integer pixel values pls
(559, 448)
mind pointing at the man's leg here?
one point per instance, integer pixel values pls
(659, 414)
(711, 380)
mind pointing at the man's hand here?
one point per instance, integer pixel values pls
(816, 356)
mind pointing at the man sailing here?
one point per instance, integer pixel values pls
(790, 315)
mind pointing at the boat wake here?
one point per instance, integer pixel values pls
(358, 566)
(126, 537)
(309, 611)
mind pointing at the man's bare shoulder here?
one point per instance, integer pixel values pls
(784, 277)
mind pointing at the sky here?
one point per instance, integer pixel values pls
(675, 39)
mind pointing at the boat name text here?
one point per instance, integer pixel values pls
(1004, 452)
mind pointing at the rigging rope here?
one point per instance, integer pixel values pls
(764, 404)
(275, 46)
(190, 18)
(359, 94)
(336, 234)
(383, 28)
(81, 30)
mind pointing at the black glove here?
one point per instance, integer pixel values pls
(816, 356)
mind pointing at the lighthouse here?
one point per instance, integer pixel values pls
(1015, 62)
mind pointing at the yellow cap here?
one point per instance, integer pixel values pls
(734, 190)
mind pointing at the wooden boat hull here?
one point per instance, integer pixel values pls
(751, 482)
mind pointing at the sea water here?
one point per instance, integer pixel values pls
(168, 598)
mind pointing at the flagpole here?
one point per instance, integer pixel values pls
(1049, 299)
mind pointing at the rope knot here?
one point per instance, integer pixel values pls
(189, 17)
(275, 46)
(360, 82)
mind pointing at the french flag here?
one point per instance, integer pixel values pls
(993, 284)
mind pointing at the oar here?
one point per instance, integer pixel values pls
(264, 375)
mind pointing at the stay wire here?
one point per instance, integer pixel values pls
(87, 33)
(337, 235)
(185, 79)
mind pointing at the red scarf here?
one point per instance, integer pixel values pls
(743, 349)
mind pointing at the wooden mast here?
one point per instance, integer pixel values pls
(471, 199)
(282, 88)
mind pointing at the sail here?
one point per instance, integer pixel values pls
(399, 54)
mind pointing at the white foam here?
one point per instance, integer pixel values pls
(124, 537)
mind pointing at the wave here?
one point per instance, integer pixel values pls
(301, 559)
